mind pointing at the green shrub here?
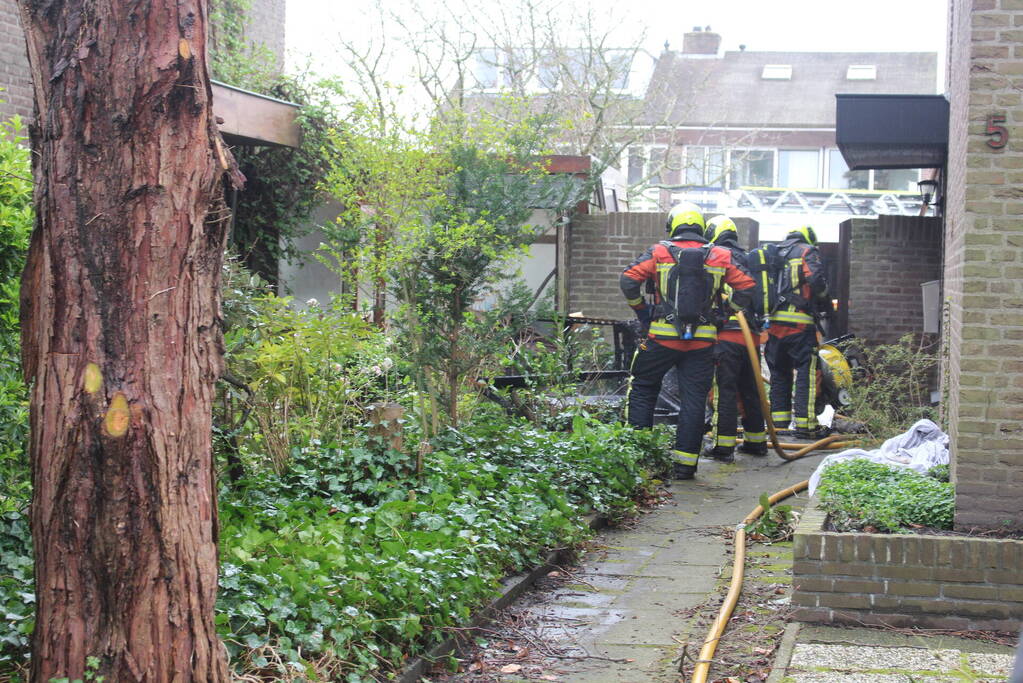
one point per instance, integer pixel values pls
(859, 494)
(17, 601)
(16, 218)
(890, 390)
(342, 567)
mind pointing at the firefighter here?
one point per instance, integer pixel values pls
(792, 342)
(686, 348)
(734, 373)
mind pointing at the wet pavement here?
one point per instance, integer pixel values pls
(627, 611)
(639, 602)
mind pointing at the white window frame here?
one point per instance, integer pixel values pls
(861, 72)
(820, 165)
(743, 150)
(776, 72)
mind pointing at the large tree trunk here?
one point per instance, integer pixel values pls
(121, 339)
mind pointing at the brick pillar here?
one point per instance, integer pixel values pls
(983, 373)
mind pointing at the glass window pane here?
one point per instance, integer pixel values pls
(618, 65)
(797, 168)
(673, 168)
(903, 179)
(515, 67)
(656, 168)
(841, 178)
(716, 167)
(486, 68)
(637, 161)
(695, 165)
(548, 71)
(752, 168)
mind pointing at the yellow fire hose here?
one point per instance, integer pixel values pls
(827, 443)
(834, 441)
(735, 587)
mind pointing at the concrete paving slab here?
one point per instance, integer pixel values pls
(847, 677)
(648, 663)
(859, 658)
(995, 664)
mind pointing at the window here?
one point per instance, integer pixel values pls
(673, 168)
(548, 72)
(861, 72)
(841, 178)
(485, 70)
(777, 72)
(797, 168)
(656, 169)
(751, 168)
(515, 67)
(618, 64)
(704, 166)
(877, 180)
(900, 179)
(637, 165)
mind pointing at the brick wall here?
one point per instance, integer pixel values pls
(888, 260)
(602, 246)
(266, 27)
(983, 272)
(14, 74)
(942, 582)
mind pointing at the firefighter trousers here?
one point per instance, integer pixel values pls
(695, 370)
(793, 354)
(734, 379)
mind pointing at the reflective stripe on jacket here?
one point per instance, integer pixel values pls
(804, 274)
(654, 265)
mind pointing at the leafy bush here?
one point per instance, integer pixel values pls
(891, 392)
(17, 596)
(16, 218)
(341, 568)
(859, 494)
(312, 371)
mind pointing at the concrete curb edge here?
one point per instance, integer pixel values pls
(784, 654)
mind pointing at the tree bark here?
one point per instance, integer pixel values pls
(121, 338)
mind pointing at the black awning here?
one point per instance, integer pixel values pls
(892, 131)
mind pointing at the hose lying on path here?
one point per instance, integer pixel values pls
(832, 442)
(710, 643)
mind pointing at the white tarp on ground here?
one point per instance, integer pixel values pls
(921, 448)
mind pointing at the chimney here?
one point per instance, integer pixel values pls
(701, 43)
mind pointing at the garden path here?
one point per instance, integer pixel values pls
(624, 613)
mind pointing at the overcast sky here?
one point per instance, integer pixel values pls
(314, 26)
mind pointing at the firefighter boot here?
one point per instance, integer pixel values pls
(722, 453)
(750, 448)
(680, 471)
(815, 434)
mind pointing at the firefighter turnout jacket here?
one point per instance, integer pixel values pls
(653, 266)
(801, 283)
(792, 342)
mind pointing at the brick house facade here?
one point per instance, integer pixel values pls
(983, 275)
